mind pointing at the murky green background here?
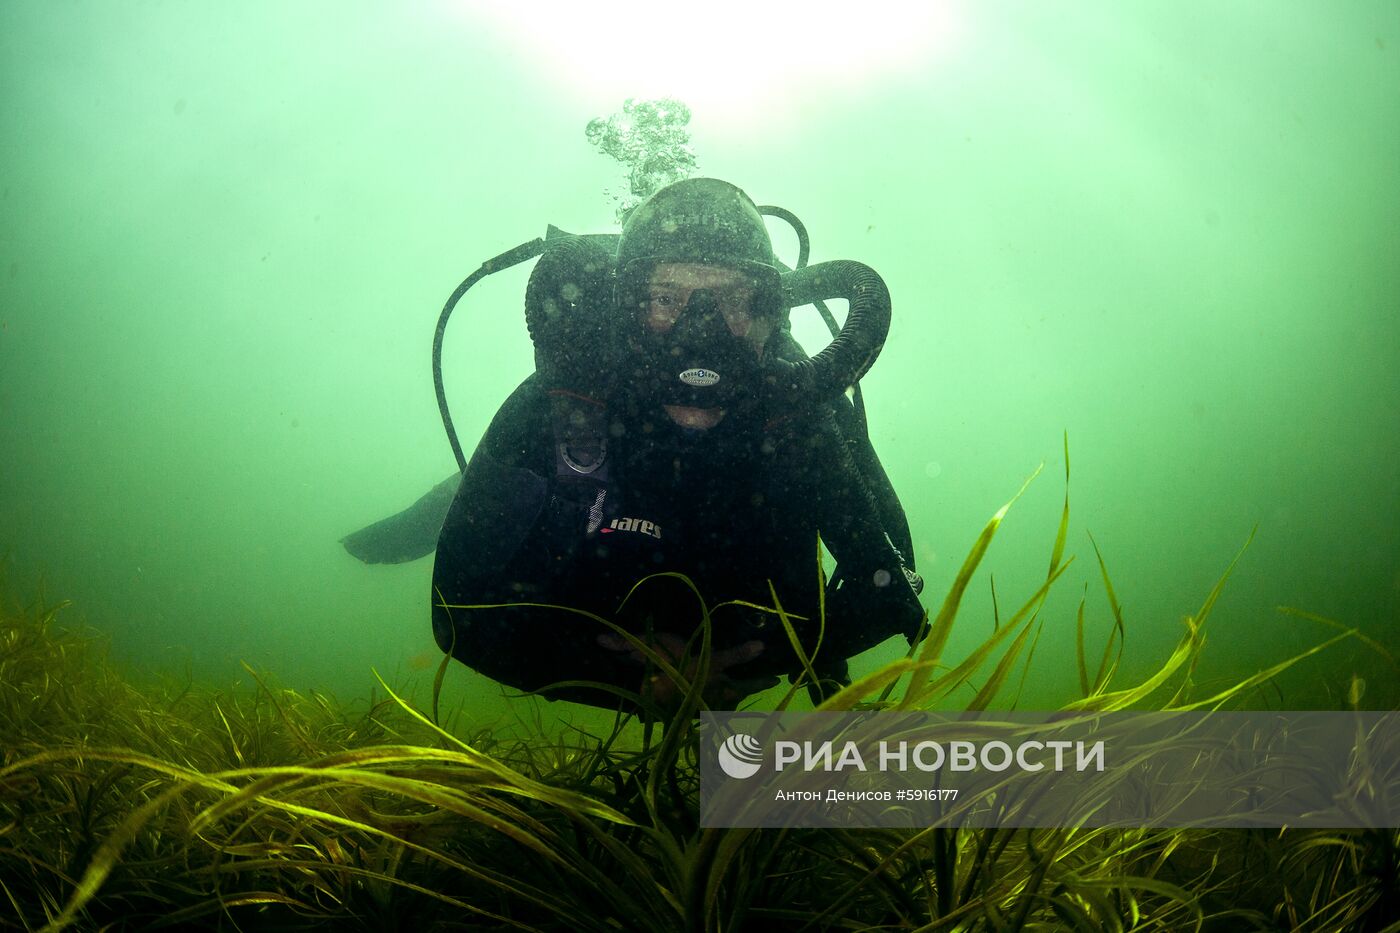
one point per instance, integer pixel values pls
(1169, 229)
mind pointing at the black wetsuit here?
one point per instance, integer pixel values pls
(734, 509)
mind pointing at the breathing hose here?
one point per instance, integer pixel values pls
(803, 251)
(513, 257)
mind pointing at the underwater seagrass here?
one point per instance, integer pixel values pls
(177, 806)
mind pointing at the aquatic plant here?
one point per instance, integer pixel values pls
(177, 806)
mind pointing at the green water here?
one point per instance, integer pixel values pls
(1166, 228)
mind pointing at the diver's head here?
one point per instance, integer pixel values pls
(699, 296)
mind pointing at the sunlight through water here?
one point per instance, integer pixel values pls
(746, 60)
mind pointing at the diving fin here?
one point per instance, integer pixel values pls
(409, 535)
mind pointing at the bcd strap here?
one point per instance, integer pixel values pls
(873, 593)
(580, 427)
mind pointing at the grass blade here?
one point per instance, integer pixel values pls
(932, 651)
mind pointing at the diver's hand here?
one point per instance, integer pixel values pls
(720, 691)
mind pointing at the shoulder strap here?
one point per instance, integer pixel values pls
(581, 465)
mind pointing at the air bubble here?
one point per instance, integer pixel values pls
(650, 139)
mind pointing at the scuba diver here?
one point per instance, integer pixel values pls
(668, 471)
